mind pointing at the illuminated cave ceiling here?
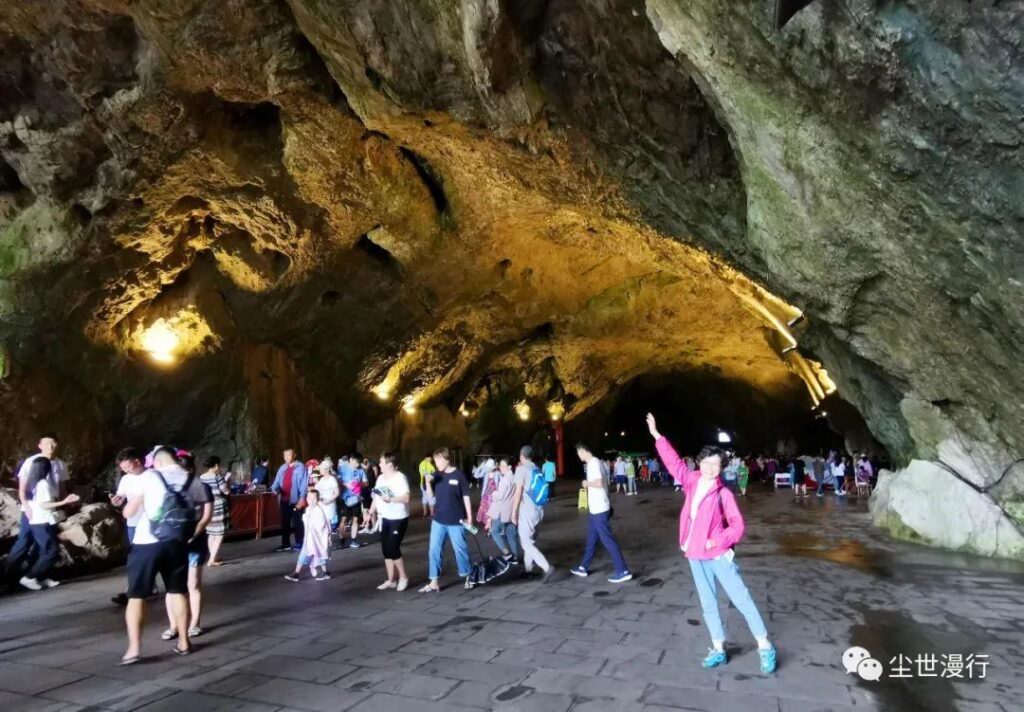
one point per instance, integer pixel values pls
(414, 195)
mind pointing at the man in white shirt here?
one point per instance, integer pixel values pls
(24, 550)
(599, 520)
(129, 461)
(149, 555)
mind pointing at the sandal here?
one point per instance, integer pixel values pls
(129, 661)
(430, 589)
(195, 632)
(402, 584)
(386, 585)
(179, 651)
(169, 634)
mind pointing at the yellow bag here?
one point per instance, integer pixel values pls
(583, 499)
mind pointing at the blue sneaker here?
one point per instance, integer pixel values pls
(768, 659)
(620, 578)
(715, 658)
(579, 571)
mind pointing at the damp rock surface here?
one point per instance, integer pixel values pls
(436, 205)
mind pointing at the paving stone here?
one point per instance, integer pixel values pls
(553, 661)
(200, 702)
(708, 700)
(13, 702)
(593, 687)
(383, 702)
(109, 693)
(33, 679)
(534, 646)
(304, 695)
(479, 672)
(622, 652)
(397, 682)
(298, 669)
(453, 649)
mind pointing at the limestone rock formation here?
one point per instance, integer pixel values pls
(241, 224)
(927, 503)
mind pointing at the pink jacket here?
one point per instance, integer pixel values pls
(718, 517)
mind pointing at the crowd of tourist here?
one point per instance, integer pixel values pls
(177, 515)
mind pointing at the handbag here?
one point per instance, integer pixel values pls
(583, 499)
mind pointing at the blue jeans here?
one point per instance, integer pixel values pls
(599, 527)
(24, 548)
(506, 536)
(438, 533)
(728, 573)
(45, 536)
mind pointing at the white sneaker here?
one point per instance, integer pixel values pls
(50, 583)
(30, 583)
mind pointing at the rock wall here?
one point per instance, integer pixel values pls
(929, 504)
(368, 205)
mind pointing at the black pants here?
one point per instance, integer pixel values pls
(392, 531)
(291, 521)
(45, 536)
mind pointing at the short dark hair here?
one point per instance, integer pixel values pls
(211, 461)
(443, 452)
(51, 436)
(526, 451)
(355, 456)
(390, 457)
(127, 453)
(711, 451)
(584, 446)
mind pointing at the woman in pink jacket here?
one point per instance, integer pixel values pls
(710, 524)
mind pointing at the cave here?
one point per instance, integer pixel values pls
(788, 228)
(777, 221)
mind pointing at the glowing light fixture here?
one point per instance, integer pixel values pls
(723, 437)
(160, 341)
(556, 410)
(622, 434)
(464, 410)
(169, 339)
(522, 409)
(409, 405)
(382, 392)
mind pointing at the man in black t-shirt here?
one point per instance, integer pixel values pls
(450, 490)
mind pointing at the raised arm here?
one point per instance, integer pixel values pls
(675, 465)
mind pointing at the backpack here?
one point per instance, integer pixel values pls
(177, 518)
(539, 488)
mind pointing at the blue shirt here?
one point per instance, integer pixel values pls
(548, 468)
(259, 474)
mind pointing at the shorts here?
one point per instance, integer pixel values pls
(620, 479)
(799, 478)
(427, 499)
(198, 552)
(347, 512)
(168, 558)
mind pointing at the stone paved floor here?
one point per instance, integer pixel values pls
(824, 579)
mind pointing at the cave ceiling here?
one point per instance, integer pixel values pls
(362, 205)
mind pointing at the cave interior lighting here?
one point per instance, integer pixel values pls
(522, 409)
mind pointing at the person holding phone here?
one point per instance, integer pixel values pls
(390, 506)
(42, 522)
(449, 489)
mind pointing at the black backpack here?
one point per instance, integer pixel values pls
(177, 518)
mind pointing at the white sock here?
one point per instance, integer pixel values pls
(719, 645)
(763, 644)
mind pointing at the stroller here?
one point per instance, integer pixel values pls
(487, 568)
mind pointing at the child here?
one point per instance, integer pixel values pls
(709, 526)
(316, 545)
